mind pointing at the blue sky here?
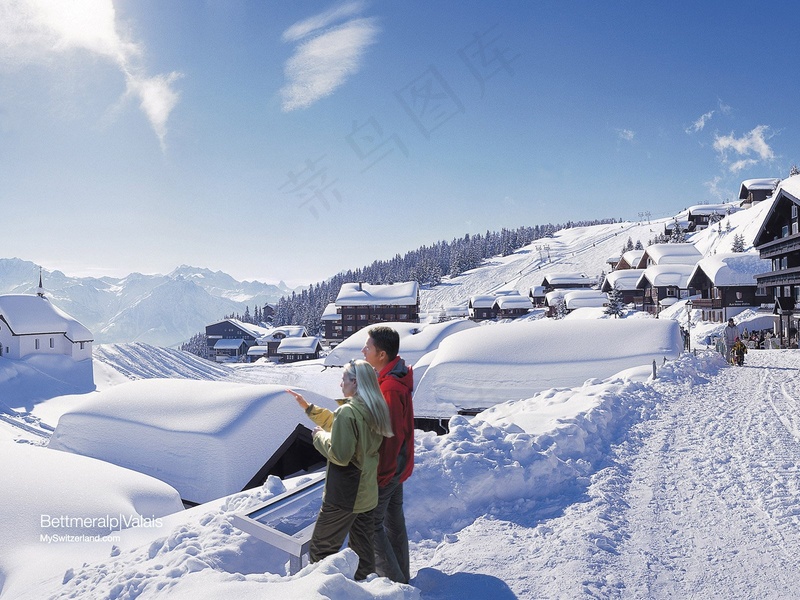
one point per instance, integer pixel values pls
(293, 139)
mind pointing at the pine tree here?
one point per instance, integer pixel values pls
(738, 243)
(678, 235)
(615, 303)
(795, 170)
(561, 308)
(638, 245)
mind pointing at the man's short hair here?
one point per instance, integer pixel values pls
(386, 339)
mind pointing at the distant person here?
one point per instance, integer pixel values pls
(739, 350)
(729, 335)
(396, 380)
(350, 439)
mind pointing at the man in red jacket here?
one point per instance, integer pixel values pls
(396, 458)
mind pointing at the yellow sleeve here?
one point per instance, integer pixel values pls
(321, 416)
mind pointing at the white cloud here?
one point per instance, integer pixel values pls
(305, 27)
(626, 134)
(700, 123)
(41, 31)
(323, 63)
(753, 142)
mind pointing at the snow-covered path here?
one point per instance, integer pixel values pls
(701, 499)
(714, 497)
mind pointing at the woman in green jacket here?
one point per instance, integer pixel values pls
(350, 439)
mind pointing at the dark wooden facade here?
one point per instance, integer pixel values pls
(355, 318)
(778, 240)
(228, 330)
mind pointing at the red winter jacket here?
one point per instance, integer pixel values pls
(396, 381)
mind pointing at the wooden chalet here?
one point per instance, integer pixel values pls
(702, 215)
(230, 340)
(364, 304)
(626, 282)
(753, 191)
(294, 349)
(629, 260)
(778, 241)
(511, 306)
(332, 324)
(663, 285)
(727, 285)
(669, 254)
(481, 307)
(566, 281)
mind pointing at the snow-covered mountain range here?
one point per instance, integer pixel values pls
(163, 310)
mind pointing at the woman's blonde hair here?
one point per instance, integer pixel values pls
(368, 390)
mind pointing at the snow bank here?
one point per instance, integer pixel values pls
(199, 554)
(416, 340)
(509, 457)
(205, 438)
(49, 493)
(482, 367)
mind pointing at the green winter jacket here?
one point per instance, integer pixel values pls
(351, 447)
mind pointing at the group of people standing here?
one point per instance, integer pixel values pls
(369, 444)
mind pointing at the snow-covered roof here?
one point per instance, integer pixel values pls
(624, 280)
(275, 334)
(257, 350)
(416, 340)
(483, 367)
(254, 330)
(512, 301)
(791, 185)
(301, 345)
(537, 291)
(456, 311)
(481, 301)
(757, 184)
(29, 314)
(666, 275)
(735, 268)
(585, 298)
(552, 296)
(632, 257)
(207, 439)
(330, 314)
(361, 294)
(554, 279)
(681, 254)
(228, 344)
(713, 209)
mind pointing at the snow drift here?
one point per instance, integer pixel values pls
(481, 367)
(206, 438)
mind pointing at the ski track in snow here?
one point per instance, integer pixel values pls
(700, 499)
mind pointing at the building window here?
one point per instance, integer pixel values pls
(787, 291)
(52, 343)
(37, 343)
(671, 291)
(82, 343)
(785, 231)
(761, 290)
(794, 211)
